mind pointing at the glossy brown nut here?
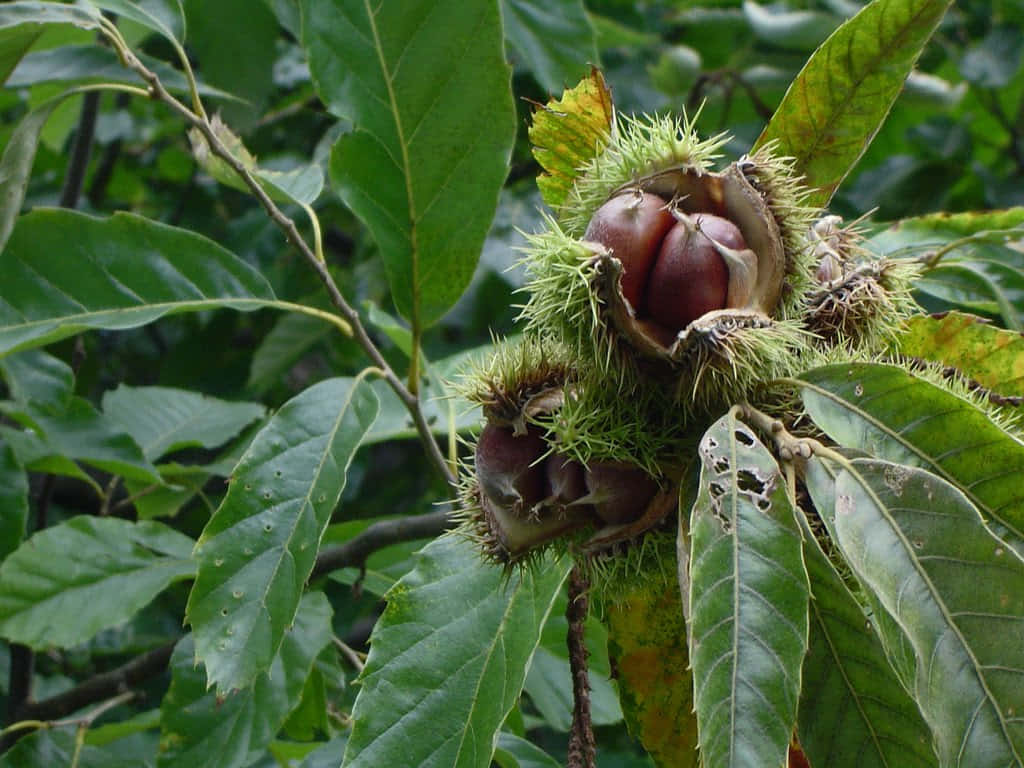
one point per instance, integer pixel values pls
(619, 492)
(565, 482)
(632, 226)
(508, 468)
(690, 277)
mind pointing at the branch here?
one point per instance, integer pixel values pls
(100, 687)
(287, 225)
(379, 535)
(80, 151)
(582, 747)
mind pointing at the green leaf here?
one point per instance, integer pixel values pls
(30, 12)
(127, 271)
(569, 132)
(647, 641)
(14, 44)
(50, 747)
(33, 376)
(258, 549)
(163, 420)
(837, 103)
(292, 336)
(993, 61)
(92, 63)
(919, 545)
(893, 415)
(68, 582)
(515, 752)
(988, 355)
(234, 41)
(748, 602)
(427, 87)
(554, 40)
(328, 755)
(798, 30)
(77, 433)
(16, 164)
(13, 501)
(853, 710)
(199, 728)
(970, 261)
(448, 659)
(166, 17)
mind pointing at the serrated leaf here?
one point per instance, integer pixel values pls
(13, 501)
(427, 87)
(448, 658)
(567, 133)
(969, 261)
(163, 420)
(853, 711)
(35, 377)
(647, 643)
(991, 356)
(837, 103)
(77, 433)
(920, 546)
(49, 747)
(554, 40)
(893, 415)
(258, 549)
(128, 271)
(68, 582)
(748, 602)
(199, 728)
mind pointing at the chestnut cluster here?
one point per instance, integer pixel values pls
(673, 266)
(530, 495)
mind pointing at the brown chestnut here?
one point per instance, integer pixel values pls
(690, 277)
(508, 467)
(632, 226)
(565, 482)
(619, 492)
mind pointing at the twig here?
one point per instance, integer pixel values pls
(80, 151)
(379, 535)
(102, 686)
(84, 721)
(199, 121)
(582, 746)
(356, 659)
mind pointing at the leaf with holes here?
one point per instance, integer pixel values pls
(918, 544)
(991, 356)
(893, 415)
(427, 87)
(259, 547)
(841, 97)
(198, 728)
(68, 582)
(448, 659)
(853, 710)
(748, 601)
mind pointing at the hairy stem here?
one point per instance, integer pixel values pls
(582, 746)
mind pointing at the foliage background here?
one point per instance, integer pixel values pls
(953, 142)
